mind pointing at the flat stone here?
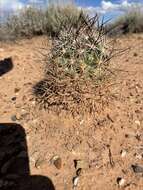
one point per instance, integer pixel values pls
(123, 153)
(39, 162)
(137, 169)
(75, 181)
(81, 164)
(16, 90)
(121, 181)
(13, 118)
(57, 161)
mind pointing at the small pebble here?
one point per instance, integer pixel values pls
(121, 181)
(34, 102)
(137, 169)
(13, 118)
(83, 164)
(75, 181)
(18, 105)
(138, 122)
(18, 116)
(123, 153)
(39, 162)
(16, 90)
(23, 110)
(81, 122)
(78, 172)
(57, 161)
(135, 54)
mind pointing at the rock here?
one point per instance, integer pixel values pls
(78, 172)
(123, 153)
(57, 161)
(75, 182)
(25, 115)
(121, 181)
(138, 122)
(33, 102)
(137, 169)
(81, 164)
(135, 54)
(18, 116)
(18, 105)
(16, 90)
(13, 118)
(81, 122)
(39, 162)
(23, 111)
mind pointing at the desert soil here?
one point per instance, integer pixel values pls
(107, 147)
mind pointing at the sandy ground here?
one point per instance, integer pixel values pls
(105, 147)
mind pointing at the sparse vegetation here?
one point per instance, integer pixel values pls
(31, 22)
(58, 16)
(131, 22)
(78, 61)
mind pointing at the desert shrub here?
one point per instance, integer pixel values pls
(130, 22)
(32, 21)
(77, 63)
(28, 22)
(58, 16)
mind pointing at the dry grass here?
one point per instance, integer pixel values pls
(58, 16)
(32, 22)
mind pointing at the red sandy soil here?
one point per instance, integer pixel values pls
(108, 144)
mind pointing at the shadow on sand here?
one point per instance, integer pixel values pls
(14, 161)
(6, 65)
